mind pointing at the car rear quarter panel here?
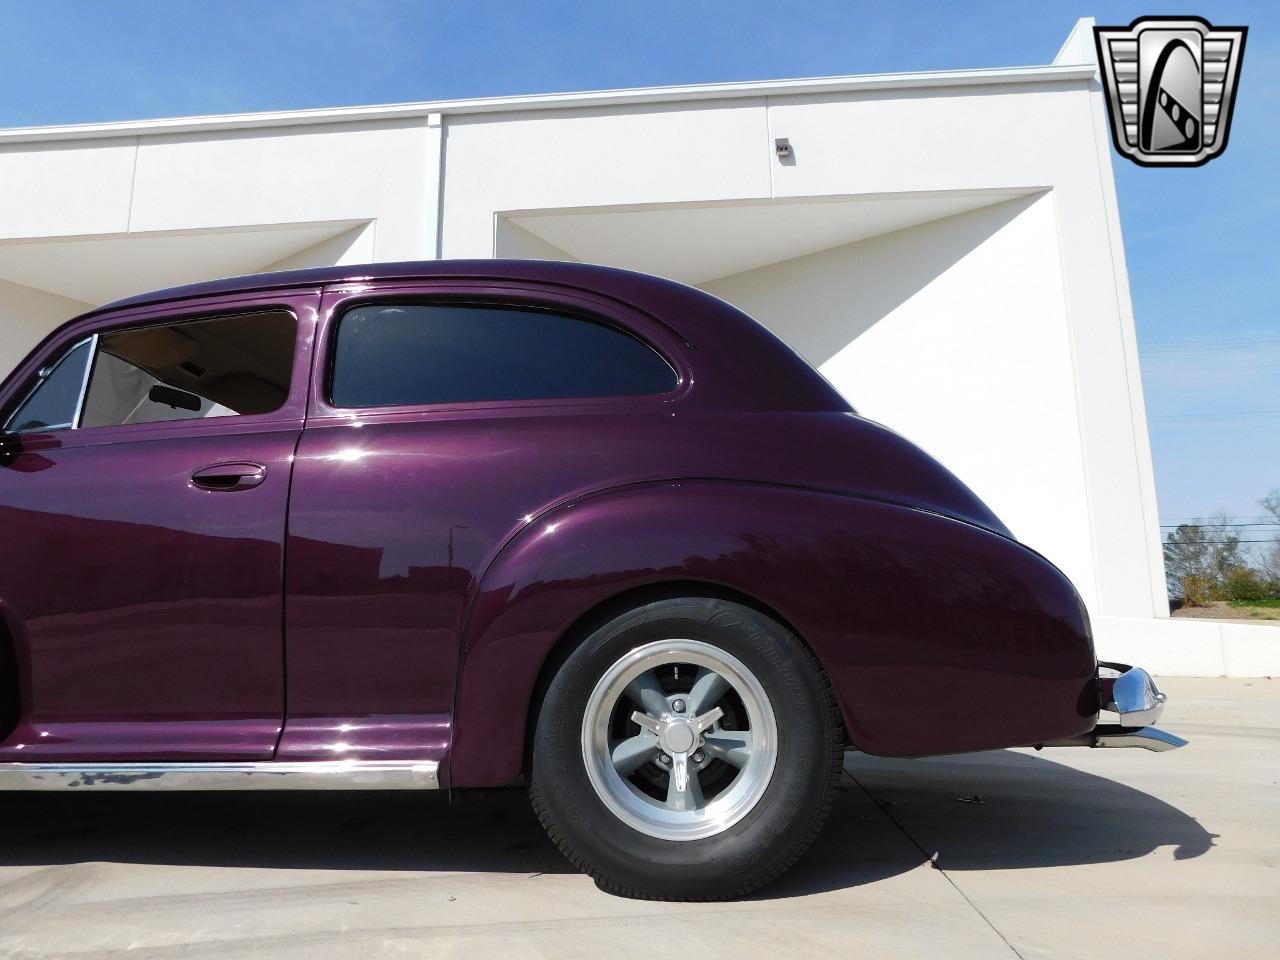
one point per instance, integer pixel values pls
(938, 636)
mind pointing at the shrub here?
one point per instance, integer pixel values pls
(1245, 583)
(1197, 589)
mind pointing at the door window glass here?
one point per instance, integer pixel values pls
(222, 367)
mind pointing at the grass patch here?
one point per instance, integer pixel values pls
(1273, 604)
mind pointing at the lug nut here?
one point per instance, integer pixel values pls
(677, 706)
(697, 757)
(664, 759)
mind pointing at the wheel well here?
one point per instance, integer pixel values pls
(607, 610)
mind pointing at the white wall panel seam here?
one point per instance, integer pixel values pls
(133, 186)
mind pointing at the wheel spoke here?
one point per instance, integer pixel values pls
(708, 688)
(702, 723)
(690, 798)
(647, 723)
(680, 772)
(631, 754)
(731, 746)
(647, 692)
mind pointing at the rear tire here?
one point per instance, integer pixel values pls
(705, 684)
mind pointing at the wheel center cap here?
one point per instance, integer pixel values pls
(677, 736)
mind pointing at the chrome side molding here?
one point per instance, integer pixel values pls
(264, 775)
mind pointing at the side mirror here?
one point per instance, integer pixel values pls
(174, 398)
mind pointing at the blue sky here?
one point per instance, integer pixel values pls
(1201, 244)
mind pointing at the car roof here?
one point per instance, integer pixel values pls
(590, 275)
(739, 360)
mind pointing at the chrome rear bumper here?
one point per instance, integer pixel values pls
(1131, 694)
(1148, 738)
(1112, 735)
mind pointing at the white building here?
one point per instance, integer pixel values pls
(945, 247)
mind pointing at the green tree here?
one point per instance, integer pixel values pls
(1200, 558)
(1271, 558)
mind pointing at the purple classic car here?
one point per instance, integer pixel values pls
(487, 523)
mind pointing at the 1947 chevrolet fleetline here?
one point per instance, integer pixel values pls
(475, 524)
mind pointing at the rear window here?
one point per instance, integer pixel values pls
(453, 353)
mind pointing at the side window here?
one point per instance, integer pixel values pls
(447, 353)
(193, 369)
(55, 402)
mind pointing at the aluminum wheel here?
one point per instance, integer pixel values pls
(679, 739)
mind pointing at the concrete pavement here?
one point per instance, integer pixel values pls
(1064, 853)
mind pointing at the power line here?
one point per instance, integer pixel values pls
(1229, 415)
(1161, 370)
(1247, 526)
(1206, 520)
(1209, 343)
(1214, 543)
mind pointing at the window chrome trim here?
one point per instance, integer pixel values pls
(84, 383)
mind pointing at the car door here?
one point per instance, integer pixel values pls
(143, 494)
(442, 413)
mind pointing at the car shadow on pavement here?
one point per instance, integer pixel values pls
(994, 810)
(997, 810)
(492, 831)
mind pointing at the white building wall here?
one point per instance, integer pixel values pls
(955, 334)
(357, 171)
(66, 189)
(350, 246)
(694, 152)
(515, 241)
(26, 316)
(133, 213)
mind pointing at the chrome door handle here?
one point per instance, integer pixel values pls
(229, 477)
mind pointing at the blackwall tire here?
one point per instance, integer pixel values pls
(753, 713)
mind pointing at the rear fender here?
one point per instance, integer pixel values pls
(938, 636)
